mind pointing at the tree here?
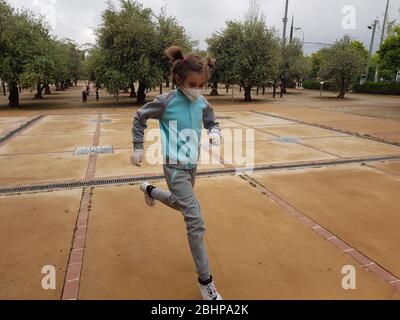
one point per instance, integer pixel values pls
(114, 81)
(247, 52)
(169, 33)
(294, 65)
(127, 40)
(343, 63)
(21, 37)
(316, 61)
(29, 56)
(389, 53)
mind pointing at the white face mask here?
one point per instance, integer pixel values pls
(192, 94)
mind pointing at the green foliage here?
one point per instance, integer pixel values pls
(343, 63)
(29, 56)
(316, 85)
(294, 64)
(387, 88)
(132, 41)
(316, 60)
(247, 52)
(114, 80)
(389, 53)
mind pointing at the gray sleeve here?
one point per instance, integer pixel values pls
(152, 110)
(209, 119)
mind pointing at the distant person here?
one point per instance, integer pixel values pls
(188, 108)
(84, 94)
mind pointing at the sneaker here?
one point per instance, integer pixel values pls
(208, 291)
(147, 198)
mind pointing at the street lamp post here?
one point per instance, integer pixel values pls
(373, 28)
(302, 31)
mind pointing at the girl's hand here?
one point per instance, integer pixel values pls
(137, 157)
(215, 137)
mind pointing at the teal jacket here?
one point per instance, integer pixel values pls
(181, 124)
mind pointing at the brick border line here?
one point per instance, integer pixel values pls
(75, 261)
(91, 170)
(350, 251)
(298, 143)
(352, 133)
(18, 131)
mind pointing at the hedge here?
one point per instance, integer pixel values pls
(316, 85)
(391, 88)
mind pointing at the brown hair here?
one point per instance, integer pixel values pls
(181, 65)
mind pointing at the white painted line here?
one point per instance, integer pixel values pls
(394, 281)
(369, 264)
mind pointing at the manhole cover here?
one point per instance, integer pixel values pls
(93, 150)
(287, 139)
(101, 121)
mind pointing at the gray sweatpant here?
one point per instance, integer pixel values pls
(181, 197)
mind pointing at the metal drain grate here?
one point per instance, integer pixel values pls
(287, 139)
(93, 150)
(215, 172)
(97, 121)
(77, 184)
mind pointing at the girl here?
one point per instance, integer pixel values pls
(181, 113)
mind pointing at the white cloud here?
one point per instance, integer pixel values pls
(319, 19)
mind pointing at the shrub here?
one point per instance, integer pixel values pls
(390, 88)
(316, 85)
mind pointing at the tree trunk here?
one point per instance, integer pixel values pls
(214, 90)
(258, 90)
(4, 89)
(284, 85)
(57, 86)
(13, 98)
(39, 90)
(47, 89)
(247, 94)
(167, 82)
(133, 92)
(227, 88)
(342, 90)
(141, 94)
(161, 91)
(274, 89)
(263, 90)
(62, 86)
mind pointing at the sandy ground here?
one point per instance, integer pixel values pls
(122, 249)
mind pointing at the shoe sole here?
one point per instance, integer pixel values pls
(149, 200)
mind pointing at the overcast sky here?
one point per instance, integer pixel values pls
(321, 20)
